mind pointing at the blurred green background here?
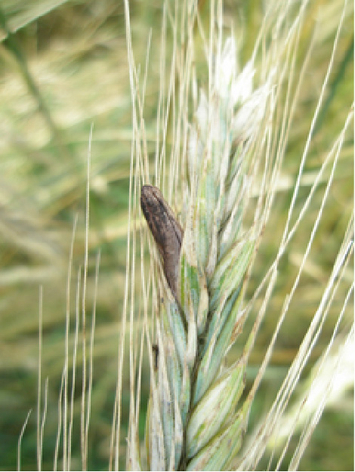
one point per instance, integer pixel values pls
(63, 68)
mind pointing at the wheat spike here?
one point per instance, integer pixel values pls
(200, 312)
(196, 417)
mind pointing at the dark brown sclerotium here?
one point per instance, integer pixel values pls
(166, 231)
(155, 349)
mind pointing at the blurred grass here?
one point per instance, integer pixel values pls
(63, 67)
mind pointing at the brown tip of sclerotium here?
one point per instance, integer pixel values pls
(146, 187)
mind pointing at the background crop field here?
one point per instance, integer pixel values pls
(63, 70)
